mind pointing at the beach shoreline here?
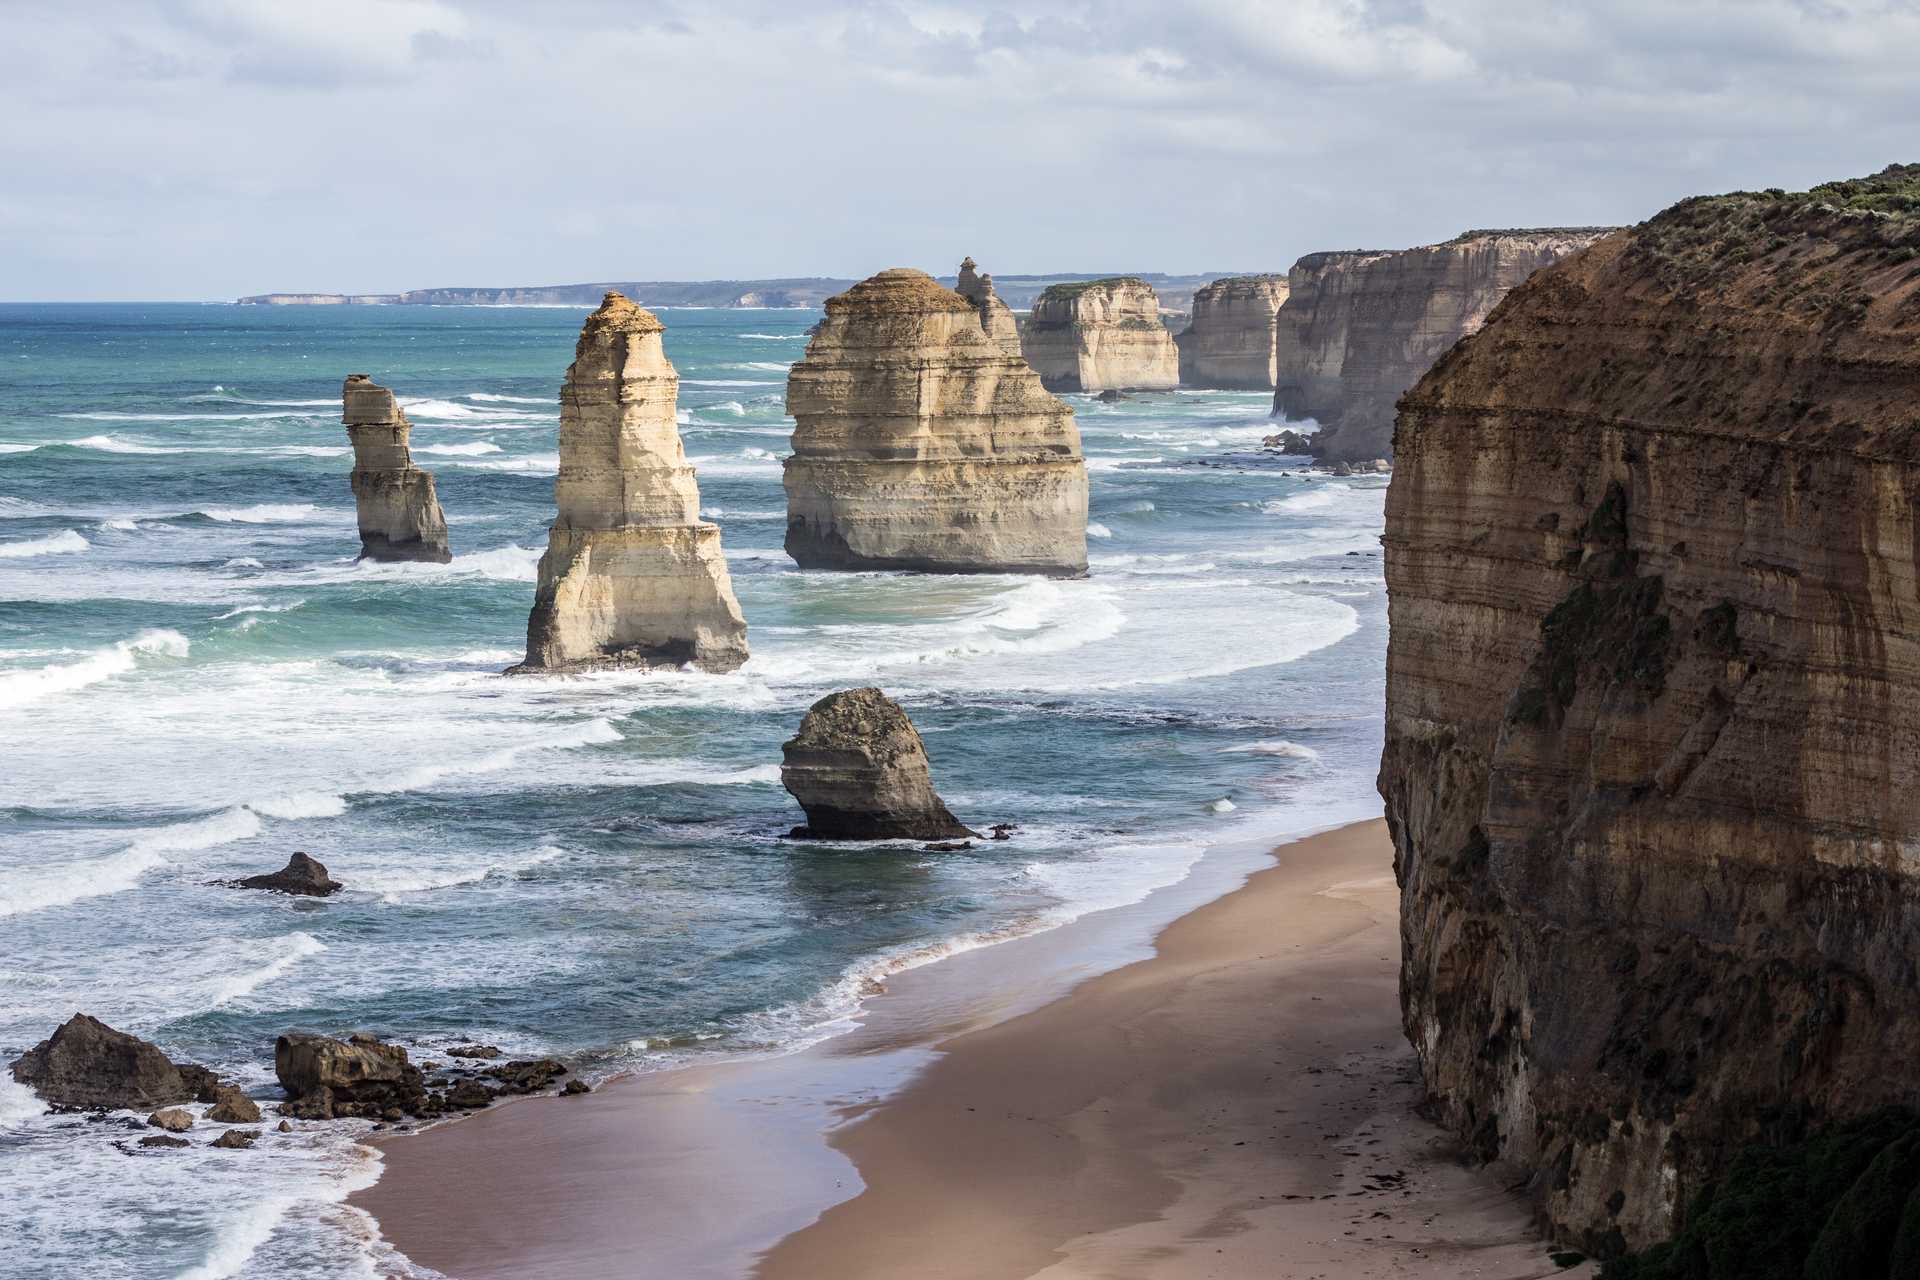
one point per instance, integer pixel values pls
(1239, 1101)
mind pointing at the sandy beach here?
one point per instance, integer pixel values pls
(1239, 1104)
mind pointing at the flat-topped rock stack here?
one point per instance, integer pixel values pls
(399, 513)
(1359, 328)
(1230, 343)
(922, 443)
(1100, 335)
(995, 316)
(631, 576)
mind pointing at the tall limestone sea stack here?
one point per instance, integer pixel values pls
(1230, 343)
(995, 316)
(921, 443)
(1100, 335)
(1358, 328)
(631, 576)
(1652, 767)
(400, 516)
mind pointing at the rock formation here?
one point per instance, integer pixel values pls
(995, 316)
(1230, 343)
(859, 769)
(360, 1076)
(1651, 767)
(1099, 334)
(1358, 328)
(302, 875)
(400, 517)
(86, 1063)
(631, 576)
(922, 444)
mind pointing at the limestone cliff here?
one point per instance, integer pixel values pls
(1651, 766)
(1230, 343)
(920, 443)
(631, 576)
(400, 517)
(1100, 335)
(995, 316)
(1358, 328)
(859, 769)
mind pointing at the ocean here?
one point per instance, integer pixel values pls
(197, 679)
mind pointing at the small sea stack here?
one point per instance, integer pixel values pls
(400, 516)
(859, 769)
(996, 318)
(1101, 335)
(1230, 343)
(632, 576)
(923, 443)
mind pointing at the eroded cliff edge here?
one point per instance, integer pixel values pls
(1650, 760)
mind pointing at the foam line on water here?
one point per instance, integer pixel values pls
(18, 688)
(292, 949)
(39, 887)
(66, 542)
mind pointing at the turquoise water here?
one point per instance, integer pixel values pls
(196, 679)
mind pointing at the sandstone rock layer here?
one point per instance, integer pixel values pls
(400, 516)
(1652, 766)
(1358, 328)
(1231, 342)
(631, 576)
(859, 769)
(922, 443)
(1100, 335)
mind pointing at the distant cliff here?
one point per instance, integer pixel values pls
(1360, 327)
(1652, 767)
(1100, 335)
(1231, 341)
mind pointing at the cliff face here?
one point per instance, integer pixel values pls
(400, 516)
(631, 576)
(995, 317)
(1100, 335)
(1359, 328)
(1230, 343)
(1651, 766)
(921, 443)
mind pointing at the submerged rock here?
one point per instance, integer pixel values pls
(921, 443)
(996, 318)
(301, 875)
(859, 769)
(400, 516)
(326, 1079)
(164, 1140)
(1230, 342)
(632, 576)
(86, 1063)
(1094, 335)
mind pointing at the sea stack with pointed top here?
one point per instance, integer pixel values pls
(400, 516)
(632, 577)
(1101, 335)
(859, 769)
(995, 316)
(922, 443)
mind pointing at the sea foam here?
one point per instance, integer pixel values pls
(20, 687)
(63, 543)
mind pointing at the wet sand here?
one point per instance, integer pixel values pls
(1240, 1103)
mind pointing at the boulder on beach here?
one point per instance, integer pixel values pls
(400, 516)
(859, 769)
(326, 1079)
(86, 1063)
(301, 875)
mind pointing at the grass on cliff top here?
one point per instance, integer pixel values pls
(1074, 288)
(1842, 1205)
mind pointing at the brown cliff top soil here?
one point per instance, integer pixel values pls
(897, 291)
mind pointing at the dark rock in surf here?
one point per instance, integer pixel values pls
(86, 1063)
(164, 1140)
(326, 1079)
(859, 769)
(301, 875)
(231, 1106)
(236, 1139)
(527, 1077)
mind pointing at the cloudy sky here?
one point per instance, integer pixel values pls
(209, 148)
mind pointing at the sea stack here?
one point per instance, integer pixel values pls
(400, 516)
(1651, 767)
(859, 769)
(1101, 335)
(1230, 343)
(1360, 327)
(922, 443)
(632, 577)
(995, 316)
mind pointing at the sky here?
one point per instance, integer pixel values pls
(204, 149)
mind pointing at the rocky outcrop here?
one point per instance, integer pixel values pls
(632, 576)
(1096, 335)
(995, 316)
(1358, 328)
(1651, 770)
(859, 769)
(326, 1079)
(302, 875)
(86, 1063)
(400, 516)
(920, 443)
(1230, 343)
